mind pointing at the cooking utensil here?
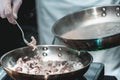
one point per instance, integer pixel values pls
(90, 29)
(47, 52)
(23, 35)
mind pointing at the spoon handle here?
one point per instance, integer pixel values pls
(23, 35)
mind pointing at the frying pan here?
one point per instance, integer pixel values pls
(48, 52)
(90, 29)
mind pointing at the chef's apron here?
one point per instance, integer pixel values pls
(49, 11)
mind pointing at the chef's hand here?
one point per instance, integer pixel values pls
(9, 9)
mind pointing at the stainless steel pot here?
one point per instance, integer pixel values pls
(90, 29)
(48, 52)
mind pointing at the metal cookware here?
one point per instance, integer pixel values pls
(47, 52)
(89, 29)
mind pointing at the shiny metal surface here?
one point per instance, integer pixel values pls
(97, 28)
(23, 35)
(48, 52)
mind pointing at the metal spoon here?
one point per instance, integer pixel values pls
(23, 36)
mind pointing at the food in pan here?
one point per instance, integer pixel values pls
(36, 66)
(32, 44)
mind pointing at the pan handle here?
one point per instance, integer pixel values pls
(53, 41)
(57, 41)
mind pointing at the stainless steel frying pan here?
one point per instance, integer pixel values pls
(47, 52)
(90, 29)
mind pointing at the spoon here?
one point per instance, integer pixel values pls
(32, 44)
(23, 35)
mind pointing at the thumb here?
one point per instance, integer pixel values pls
(16, 6)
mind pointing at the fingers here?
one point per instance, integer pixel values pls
(9, 9)
(11, 19)
(8, 12)
(16, 6)
(5, 8)
(2, 14)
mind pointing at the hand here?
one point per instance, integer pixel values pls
(9, 9)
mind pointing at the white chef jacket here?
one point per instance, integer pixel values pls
(49, 11)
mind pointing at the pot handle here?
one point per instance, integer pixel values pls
(53, 41)
(56, 41)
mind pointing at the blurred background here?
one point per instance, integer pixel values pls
(10, 35)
